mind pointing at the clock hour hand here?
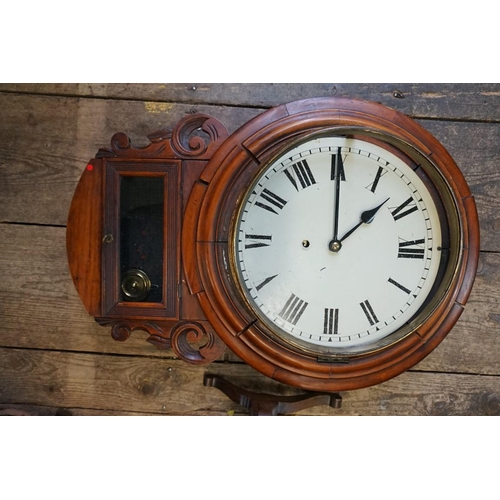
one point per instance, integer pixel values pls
(366, 218)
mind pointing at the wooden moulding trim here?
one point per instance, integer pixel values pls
(84, 235)
(359, 111)
(336, 112)
(213, 264)
(356, 379)
(239, 136)
(216, 200)
(440, 332)
(189, 227)
(320, 103)
(473, 246)
(248, 355)
(337, 374)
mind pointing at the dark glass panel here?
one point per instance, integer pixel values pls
(141, 235)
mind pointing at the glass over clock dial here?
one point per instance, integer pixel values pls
(338, 243)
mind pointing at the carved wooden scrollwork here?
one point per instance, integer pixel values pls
(193, 343)
(121, 330)
(190, 341)
(196, 136)
(122, 146)
(187, 144)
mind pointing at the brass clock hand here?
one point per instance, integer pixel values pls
(366, 218)
(335, 244)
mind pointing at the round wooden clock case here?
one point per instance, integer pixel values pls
(266, 332)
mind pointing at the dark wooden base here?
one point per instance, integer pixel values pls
(260, 404)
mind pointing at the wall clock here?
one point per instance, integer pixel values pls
(330, 243)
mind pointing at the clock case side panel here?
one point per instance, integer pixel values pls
(261, 139)
(84, 235)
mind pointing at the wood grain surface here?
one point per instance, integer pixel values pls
(55, 360)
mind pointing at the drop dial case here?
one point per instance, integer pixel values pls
(330, 243)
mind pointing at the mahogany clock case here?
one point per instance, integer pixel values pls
(204, 175)
(239, 160)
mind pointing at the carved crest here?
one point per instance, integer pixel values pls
(196, 136)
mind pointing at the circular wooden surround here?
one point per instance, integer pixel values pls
(208, 255)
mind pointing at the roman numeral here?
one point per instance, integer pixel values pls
(408, 203)
(265, 282)
(302, 172)
(257, 240)
(399, 285)
(411, 253)
(293, 309)
(337, 159)
(367, 309)
(331, 322)
(373, 186)
(272, 198)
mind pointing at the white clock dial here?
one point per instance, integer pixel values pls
(338, 243)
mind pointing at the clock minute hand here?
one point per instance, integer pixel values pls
(335, 244)
(337, 172)
(366, 218)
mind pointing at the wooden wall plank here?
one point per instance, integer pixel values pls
(20, 410)
(40, 308)
(133, 384)
(476, 150)
(425, 100)
(45, 143)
